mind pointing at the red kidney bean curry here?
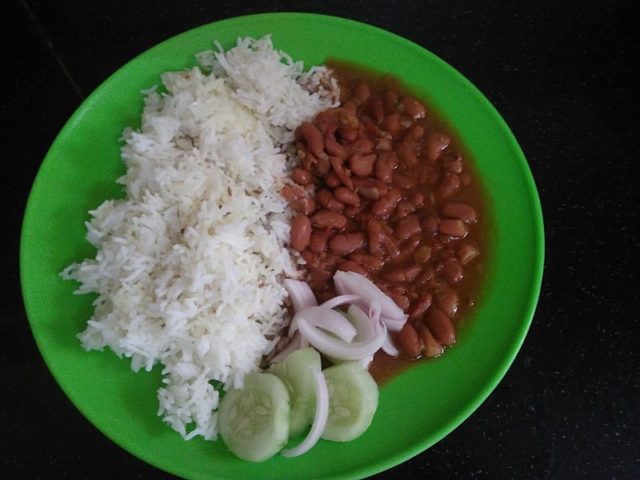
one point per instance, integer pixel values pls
(383, 189)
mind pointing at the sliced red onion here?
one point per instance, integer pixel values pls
(393, 324)
(328, 320)
(365, 362)
(301, 294)
(340, 300)
(366, 328)
(294, 344)
(389, 347)
(319, 421)
(339, 349)
(375, 311)
(356, 284)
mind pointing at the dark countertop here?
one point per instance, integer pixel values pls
(562, 77)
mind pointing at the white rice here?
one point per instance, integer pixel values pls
(190, 263)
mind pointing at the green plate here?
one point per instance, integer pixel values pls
(417, 408)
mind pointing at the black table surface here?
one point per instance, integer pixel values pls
(563, 78)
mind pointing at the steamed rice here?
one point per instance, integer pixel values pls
(189, 265)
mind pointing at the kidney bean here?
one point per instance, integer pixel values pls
(452, 270)
(325, 120)
(360, 182)
(389, 157)
(349, 197)
(328, 201)
(375, 236)
(408, 342)
(453, 165)
(431, 347)
(369, 262)
(350, 107)
(345, 243)
(448, 302)
(313, 137)
(383, 144)
(422, 254)
(322, 166)
(318, 278)
(400, 298)
(362, 146)
(391, 123)
(330, 134)
(417, 199)
(383, 169)
(447, 253)
(300, 232)
(390, 246)
(466, 253)
(413, 108)
(332, 147)
(406, 155)
(362, 165)
(408, 226)
(465, 179)
(318, 241)
(305, 205)
(346, 117)
(341, 172)
(329, 220)
(414, 134)
(440, 326)
(390, 97)
(459, 210)
(400, 254)
(332, 180)
(430, 225)
(352, 211)
(376, 109)
(402, 274)
(383, 206)
(307, 159)
(404, 208)
(420, 305)
(292, 192)
(361, 93)
(347, 135)
(310, 258)
(371, 129)
(449, 184)
(370, 193)
(405, 121)
(426, 275)
(453, 228)
(301, 176)
(435, 144)
(403, 182)
(351, 266)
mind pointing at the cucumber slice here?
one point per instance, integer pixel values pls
(353, 399)
(297, 371)
(254, 421)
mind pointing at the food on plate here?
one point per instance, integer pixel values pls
(297, 371)
(190, 262)
(353, 399)
(283, 236)
(395, 200)
(254, 420)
